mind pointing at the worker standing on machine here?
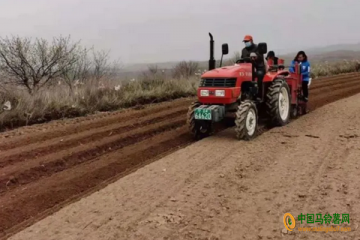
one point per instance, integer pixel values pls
(302, 59)
(259, 60)
(271, 56)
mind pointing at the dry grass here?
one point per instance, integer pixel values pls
(328, 69)
(56, 102)
(59, 102)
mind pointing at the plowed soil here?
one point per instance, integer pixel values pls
(45, 167)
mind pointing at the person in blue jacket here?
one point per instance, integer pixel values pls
(302, 59)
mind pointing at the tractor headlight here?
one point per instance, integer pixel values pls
(204, 93)
(220, 93)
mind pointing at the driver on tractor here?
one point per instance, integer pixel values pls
(259, 61)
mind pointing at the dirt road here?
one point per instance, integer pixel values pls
(227, 184)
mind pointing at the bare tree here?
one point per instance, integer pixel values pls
(35, 63)
(151, 73)
(153, 69)
(100, 61)
(185, 69)
(113, 68)
(102, 66)
(80, 70)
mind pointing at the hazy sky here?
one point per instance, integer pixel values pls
(169, 30)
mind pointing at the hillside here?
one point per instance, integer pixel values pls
(328, 53)
(337, 47)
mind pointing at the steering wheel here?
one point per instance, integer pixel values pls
(243, 60)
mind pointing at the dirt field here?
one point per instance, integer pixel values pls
(218, 187)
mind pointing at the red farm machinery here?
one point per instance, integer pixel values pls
(230, 93)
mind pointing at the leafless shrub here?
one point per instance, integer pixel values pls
(185, 69)
(153, 74)
(236, 56)
(102, 67)
(153, 69)
(79, 70)
(96, 66)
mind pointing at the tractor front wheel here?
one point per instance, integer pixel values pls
(278, 102)
(198, 129)
(246, 120)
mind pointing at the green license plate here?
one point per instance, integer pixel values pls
(202, 114)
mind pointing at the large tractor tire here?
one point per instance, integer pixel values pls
(278, 102)
(246, 121)
(198, 129)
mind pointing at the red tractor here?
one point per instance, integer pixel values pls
(230, 94)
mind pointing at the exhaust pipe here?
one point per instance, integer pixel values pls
(212, 59)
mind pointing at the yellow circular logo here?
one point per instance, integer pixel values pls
(289, 221)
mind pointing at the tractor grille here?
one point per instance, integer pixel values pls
(218, 82)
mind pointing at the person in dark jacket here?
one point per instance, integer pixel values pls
(259, 61)
(271, 56)
(250, 47)
(302, 59)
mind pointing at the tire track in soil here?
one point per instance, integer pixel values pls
(63, 182)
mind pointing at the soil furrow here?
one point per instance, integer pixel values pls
(61, 164)
(333, 95)
(81, 125)
(75, 184)
(34, 151)
(334, 82)
(340, 77)
(336, 85)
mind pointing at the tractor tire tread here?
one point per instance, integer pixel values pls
(241, 113)
(272, 103)
(190, 121)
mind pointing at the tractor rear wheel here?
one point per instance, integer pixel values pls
(278, 102)
(198, 129)
(246, 120)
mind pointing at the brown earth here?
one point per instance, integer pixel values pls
(46, 167)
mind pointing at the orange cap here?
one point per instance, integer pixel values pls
(248, 38)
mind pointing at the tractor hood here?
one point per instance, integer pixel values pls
(229, 71)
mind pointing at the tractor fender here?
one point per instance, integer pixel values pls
(271, 76)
